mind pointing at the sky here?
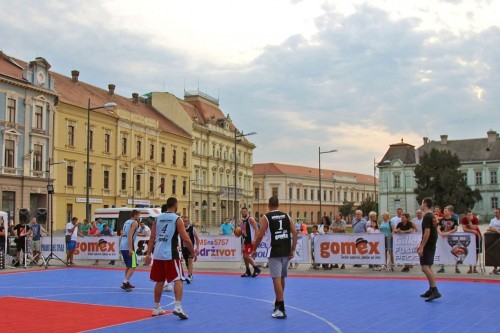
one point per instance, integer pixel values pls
(350, 75)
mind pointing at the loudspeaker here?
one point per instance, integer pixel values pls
(41, 215)
(24, 215)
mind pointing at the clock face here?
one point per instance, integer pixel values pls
(40, 77)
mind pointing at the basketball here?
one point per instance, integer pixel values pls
(237, 232)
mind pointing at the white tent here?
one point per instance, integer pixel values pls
(5, 217)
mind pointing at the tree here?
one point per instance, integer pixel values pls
(438, 177)
(368, 205)
(347, 208)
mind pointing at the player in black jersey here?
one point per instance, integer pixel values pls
(249, 231)
(281, 238)
(188, 257)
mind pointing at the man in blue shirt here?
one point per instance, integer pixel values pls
(359, 226)
(226, 228)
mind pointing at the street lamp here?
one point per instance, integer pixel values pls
(50, 198)
(319, 177)
(87, 198)
(237, 138)
(140, 172)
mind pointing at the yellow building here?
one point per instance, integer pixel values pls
(137, 157)
(214, 195)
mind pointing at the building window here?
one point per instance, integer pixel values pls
(139, 148)
(184, 187)
(39, 117)
(184, 159)
(162, 185)
(352, 197)
(124, 181)
(345, 195)
(90, 177)
(124, 146)
(137, 182)
(9, 202)
(174, 156)
(494, 202)
(9, 153)
(174, 183)
(318, 195)
(91, 139)
(397, 181)
(331, 196)
(290, 193)
(357, 196)
(37, 157)
(493, 177)
(163, 154)
(312, 195)
(151, 151)
(464, 178)
(106, 179)
(107, 142)
(479, 178)
(69, 175)
(11, 110)
(324, 195)
(71, 135)
(275, 192)
(151, 184)
(298, 195)
(305, 194)
(256, 193)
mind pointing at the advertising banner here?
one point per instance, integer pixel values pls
(349, 249)
(302, 251)
(457, 248)
(492, 249)
(94, 248)
(219, 248)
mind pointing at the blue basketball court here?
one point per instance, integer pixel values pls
(228, 303)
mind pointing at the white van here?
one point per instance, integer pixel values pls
(115, 217)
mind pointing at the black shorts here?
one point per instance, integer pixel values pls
(427, 257)
(20, 244)
(186, 254)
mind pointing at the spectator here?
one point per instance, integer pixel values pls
(2, 235)
(417, 221)
(21, 232)
(107, 231)
(405, 227)
(84, 229)
(143, 230)
(325, 221)
(386, 229)
(373, 229)
(438, 212)
(226, 228)
(303, 228)
(358, 225)
(94, 232)
(338, 227)
(495, 227)
(396, 219)
(36, 231)
(99, 224)
(446, 227)
(314, 232)
(71, 234)
(471, 224)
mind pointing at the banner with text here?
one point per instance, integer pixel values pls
(95, 248)
(349, 249)
(302, 251)
(457, 248)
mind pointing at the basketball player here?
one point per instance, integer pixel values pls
(249, 231)
(127, 240)
(427, 249)
(167, 264)
(188, 258)
(277, 227)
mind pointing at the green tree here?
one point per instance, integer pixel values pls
(438, 177)
(368, 205)
(347, 208)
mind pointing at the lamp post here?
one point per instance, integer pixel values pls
(237, 139)
(87, 197)
(50, 194)
(319, 177)
(140, 172)
(388, 183)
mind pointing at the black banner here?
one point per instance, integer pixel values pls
(492, 249)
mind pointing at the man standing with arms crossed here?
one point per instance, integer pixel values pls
(167, 264)
(250, 229)
(427, 249)
(127, 240)
(278, 228)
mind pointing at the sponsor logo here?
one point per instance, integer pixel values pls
(100, 247)
(361, 246)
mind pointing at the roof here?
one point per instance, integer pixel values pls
(78, 94)
(399, 151)
(468, 150)
(205, 109)
(12, 67)
(303, 171)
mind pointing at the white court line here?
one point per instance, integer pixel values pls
(335, 328)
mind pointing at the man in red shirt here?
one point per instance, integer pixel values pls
(470, 223)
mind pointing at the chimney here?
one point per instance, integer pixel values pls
(426, 140)
(444, 139)
(74, 76)
(135, 98)
(492, 136)
(111, 88)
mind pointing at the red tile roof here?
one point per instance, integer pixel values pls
(297, 170)
(11, 67)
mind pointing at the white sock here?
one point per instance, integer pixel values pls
(178, 304)
(157, 305)
(125, 281)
